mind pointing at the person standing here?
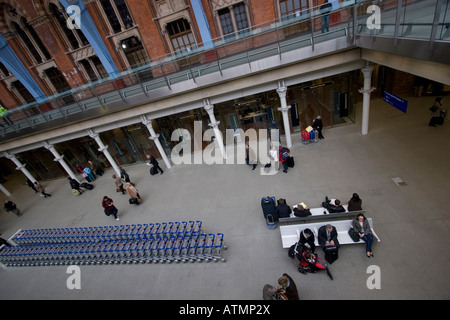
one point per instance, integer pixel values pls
(318, 125)
(287, 286)
(284, 154)
(437, 113)
(250, 157)
(273, 154)
(41, 190)
(110, 209)
(152, 161)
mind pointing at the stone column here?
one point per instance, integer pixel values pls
(366, 90)
(155, 138)
(20, 166)
(282, 90)
(105, 151)
(215, 125)
(60, 159)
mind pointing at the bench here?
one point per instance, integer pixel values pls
(290, 234)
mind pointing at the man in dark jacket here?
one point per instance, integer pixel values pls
(328, 236)
(282, 210)
(155, 164)
(333, 206)
(74, 185)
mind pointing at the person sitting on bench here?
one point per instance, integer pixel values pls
(333, 205)
(282, 210)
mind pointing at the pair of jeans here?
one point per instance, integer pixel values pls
(368, 239)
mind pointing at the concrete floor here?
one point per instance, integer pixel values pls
(411, 220)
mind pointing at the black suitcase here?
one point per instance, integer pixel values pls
(331, 255)
(268, 206)
(153, 171)
(87, 186)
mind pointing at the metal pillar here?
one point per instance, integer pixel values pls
(60, 159)
(215, 125)
(366, 90)
(282, 90)
(105, 151)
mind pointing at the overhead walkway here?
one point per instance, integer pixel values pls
(155, 89)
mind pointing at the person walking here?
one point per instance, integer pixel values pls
(109, 208)
(250, 157)
(152, 161)
(119, 184)
(135, 198)
(41, 190)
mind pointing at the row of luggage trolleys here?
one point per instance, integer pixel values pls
(142, 243)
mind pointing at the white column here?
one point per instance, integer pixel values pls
(105, 151)
(20, 166)
(282, 90)
(5, 191)
(155, 138)
(60, 159)
(215, 125)
(366, 90)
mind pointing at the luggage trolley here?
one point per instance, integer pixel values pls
(192, 249)
(218, 248)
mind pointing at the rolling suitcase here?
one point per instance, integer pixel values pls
(87, 186)
(268, 206)
(290, 162)
(153, 171)
(331, 254)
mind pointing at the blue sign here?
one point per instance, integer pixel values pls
(395, 101)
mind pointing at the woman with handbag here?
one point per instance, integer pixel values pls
(361, 225)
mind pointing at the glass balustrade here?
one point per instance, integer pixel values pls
(425, 20)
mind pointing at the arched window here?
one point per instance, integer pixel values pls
(31, 40)
(118, 15)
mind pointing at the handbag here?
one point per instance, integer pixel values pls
(432, 108)
(118, 190)
(133, 200)
(353, 234)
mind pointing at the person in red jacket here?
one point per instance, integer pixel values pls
(109, 207)
(283, 156)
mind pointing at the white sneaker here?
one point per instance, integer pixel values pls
(117, 219)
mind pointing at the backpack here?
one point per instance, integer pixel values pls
(284, 153)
